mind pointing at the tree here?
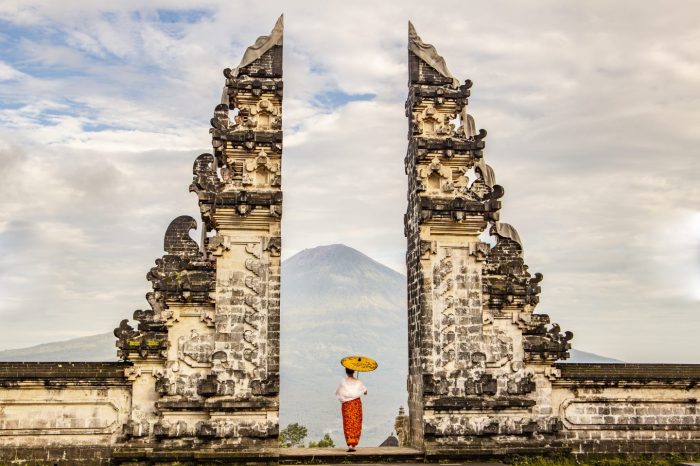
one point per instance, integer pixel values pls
(325, 442)
(293, 436)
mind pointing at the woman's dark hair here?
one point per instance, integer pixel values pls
(349, 372)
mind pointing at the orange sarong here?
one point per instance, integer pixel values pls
(352, 421)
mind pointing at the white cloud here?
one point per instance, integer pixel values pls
(9, 73)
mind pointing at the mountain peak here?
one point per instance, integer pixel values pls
(337, 257)
(329, 249)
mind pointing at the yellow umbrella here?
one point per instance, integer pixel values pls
(359, 363)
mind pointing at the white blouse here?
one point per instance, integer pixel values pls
(349, 389)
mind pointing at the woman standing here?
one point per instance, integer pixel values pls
(349, 392)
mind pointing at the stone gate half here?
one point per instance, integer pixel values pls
(479, 357)
(483, 377)
(206, 355)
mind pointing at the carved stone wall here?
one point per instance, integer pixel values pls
(628, 408)
(53, 411)
(479, 358)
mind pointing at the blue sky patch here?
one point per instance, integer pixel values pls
(336, 98)
(182, 16)
(97, 127)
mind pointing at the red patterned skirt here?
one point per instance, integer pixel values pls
(352, 421)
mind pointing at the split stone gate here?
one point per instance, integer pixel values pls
(200, 380)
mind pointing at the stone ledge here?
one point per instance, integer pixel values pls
(62, 370)
(602, 448)
(459, 145)
(477, 403)
(242, 136)
(229, 405)
(179, 405)
(216, 406)
(621, 373)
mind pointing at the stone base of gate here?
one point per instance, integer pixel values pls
(492, 452)
(157, 456)
(83, 455)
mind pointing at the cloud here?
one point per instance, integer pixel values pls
(591, 108)
(8, 73)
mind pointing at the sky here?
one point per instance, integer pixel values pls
(592, 111)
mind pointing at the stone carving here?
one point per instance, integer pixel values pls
(430, 122)
(263, 115)
(273, 245)
(221, 121)
(467, 128)
(155, 318)
(177, 240)
(625, 414)
(401, 427)
(436, 177)
(206, 184)
(184, 273)
(54, 417)
(507, 282)
(145, 343)
(196, 350)
(261, 171)
(253, 59)
(428, 55)
(546, 344)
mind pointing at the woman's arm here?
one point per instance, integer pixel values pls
(363, 388)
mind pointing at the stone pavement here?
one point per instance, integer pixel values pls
(366, 456)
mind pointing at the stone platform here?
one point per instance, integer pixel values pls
(340, 455)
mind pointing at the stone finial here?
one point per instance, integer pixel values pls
(205, 178)
(261, 45)
(428, 54)
(505, 230)
(177, 239)
(486, 172)
(125, 331)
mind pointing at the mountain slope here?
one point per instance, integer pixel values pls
(91, 348)
(578, 356)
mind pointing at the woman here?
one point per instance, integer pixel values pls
(349, 392)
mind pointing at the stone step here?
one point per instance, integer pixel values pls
(340, 455)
